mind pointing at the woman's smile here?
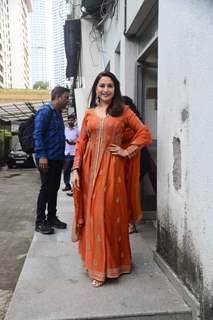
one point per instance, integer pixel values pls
(105, 89)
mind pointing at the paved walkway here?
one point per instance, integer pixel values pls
(53, 286)
(18, 192)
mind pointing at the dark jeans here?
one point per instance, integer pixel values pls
(50, 183)
(67, 170)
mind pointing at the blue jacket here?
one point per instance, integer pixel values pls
(49, 138)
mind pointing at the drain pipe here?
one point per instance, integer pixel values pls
(125, 16)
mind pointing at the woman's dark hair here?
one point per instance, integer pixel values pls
(129, 102)
(57, 92)
(115, 108)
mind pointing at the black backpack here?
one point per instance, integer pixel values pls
(25, 132)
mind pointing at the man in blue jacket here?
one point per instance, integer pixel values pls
(49, 142)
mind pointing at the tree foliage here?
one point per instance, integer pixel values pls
(41, 85)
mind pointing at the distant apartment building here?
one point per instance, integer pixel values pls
(38, 32)
(59, 13)
(19, 11)
(5, 46)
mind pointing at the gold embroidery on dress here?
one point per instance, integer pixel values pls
(98, 237)
(95, 263)
(96, 135)
(110, 272)
(100, 140)
(87, 247)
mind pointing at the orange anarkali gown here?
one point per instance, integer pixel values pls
(102, 203)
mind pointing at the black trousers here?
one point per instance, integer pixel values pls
(50, 183)
(148, 165)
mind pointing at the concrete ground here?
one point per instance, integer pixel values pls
(53, 286)
(18, 192)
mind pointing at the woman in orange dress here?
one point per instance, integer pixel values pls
(99, 181)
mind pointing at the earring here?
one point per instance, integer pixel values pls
(97, 100)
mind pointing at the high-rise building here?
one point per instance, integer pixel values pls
(5, 46)
(19, 11)
(38, 26)
(59, 10)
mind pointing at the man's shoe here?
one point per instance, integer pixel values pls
(66, 188)
(56, 223)
(70, 194)
(44, 228)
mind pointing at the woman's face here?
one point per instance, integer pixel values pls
(105, 89)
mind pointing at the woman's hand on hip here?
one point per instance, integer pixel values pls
(75, 179)
(117, 150)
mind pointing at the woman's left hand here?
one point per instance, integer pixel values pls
(117, 151)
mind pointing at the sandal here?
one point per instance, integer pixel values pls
(97, 283)
(132, 228)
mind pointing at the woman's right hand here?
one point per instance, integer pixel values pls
(75, 179)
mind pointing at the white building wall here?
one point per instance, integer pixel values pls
(5, 49)
(136, 13)
(132, 8)
(91, 64)
(74, 8)
(91, 54)
(112, 37)
(115, 49)
(185, 174)
(95, 55)
(20, 47)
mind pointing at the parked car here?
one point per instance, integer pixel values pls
(18, 158)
